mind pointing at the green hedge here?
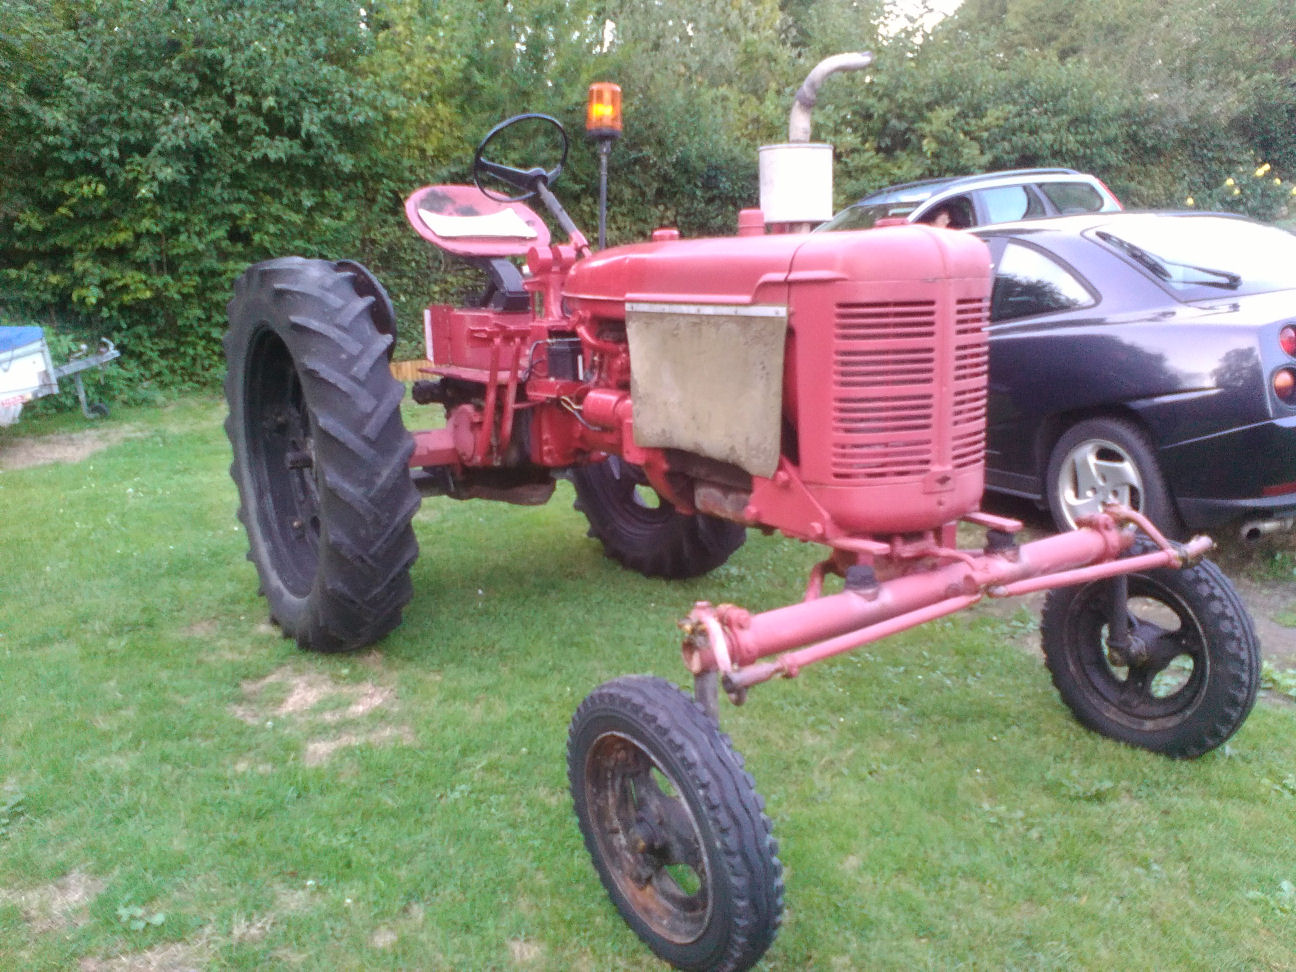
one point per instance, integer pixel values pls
(152, 149)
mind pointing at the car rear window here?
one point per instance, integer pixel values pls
(1073, 197)
(1203, 256)
(1028, 282)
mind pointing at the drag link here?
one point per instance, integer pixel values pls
(734, 643)
(790, 663)
(1177, 555)
(1187, 554)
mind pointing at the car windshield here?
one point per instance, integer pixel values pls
(1200, 255)
(865, 215)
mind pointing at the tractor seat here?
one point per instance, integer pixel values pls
(464, 221)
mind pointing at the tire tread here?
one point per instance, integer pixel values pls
(1233, 663)
(367, 501)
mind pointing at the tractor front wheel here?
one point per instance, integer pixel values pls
(673, 822)
(1184, 675)
(320, 452)
(642, 531)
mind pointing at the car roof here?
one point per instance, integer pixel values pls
(926, 188)
(1080, 222)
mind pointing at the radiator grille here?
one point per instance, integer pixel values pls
(971, 366)
(885, 411)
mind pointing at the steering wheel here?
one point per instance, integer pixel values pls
(524, 179)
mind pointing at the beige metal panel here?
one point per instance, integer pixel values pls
(708, 379)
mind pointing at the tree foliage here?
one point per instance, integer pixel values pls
(155, 148)
(151, 149)
(926, 114)
(1216, 81)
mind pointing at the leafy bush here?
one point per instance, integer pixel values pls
(155, 149)
(1258, 192)
(152, 149)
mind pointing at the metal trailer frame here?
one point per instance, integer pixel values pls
(44, 377)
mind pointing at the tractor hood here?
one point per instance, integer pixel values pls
(728, 270)
(759, 269)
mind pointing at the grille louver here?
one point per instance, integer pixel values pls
(885, 410)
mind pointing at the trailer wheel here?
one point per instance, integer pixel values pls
(642, 531)
(320, 452)
(1193, 670)
(677, 832)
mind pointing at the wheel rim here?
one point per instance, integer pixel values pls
(281, 448)
(648, 838)
(1094, 473)
(1167, 670)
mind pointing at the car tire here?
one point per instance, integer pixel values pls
(1106, 460)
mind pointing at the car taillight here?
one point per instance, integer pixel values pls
(1287, 339)
(1284, 385)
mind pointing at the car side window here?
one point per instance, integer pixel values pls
(1004, 204)
(1073, 197)
(1029, 282)
(953, 213)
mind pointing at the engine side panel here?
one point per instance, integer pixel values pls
(708, 379)
(884, 367)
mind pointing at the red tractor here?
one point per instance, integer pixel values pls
(828, 386)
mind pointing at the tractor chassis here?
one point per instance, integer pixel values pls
(1146, 641)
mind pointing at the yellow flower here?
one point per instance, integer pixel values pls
(1277, 182)
(1189, 201)
(1237, 192)
(1261, 172)
(1229, 181)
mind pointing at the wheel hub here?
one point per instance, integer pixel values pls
(1097, 473)
(657, 860)
(1132, 654)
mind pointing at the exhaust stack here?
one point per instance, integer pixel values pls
(796, 177)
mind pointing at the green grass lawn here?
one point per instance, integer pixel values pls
(181, 788)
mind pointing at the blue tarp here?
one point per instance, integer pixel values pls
(13, 338)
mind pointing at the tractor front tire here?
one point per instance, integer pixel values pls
(320, 452)
(1192, 677)
(641, 531)
(674, 825)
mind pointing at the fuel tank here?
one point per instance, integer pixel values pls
(877, 347)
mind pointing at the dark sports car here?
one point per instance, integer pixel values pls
(1146, 358)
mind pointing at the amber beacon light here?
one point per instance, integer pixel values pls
(603, 111)
(603, 124)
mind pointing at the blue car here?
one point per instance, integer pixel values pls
(1145, 358)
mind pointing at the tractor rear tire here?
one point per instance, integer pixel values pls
(320, 452)
(674, 825)
(641, 531)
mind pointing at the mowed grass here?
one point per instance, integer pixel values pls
(180, 787)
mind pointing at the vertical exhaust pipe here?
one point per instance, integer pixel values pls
(806, 96)
(796, 177)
